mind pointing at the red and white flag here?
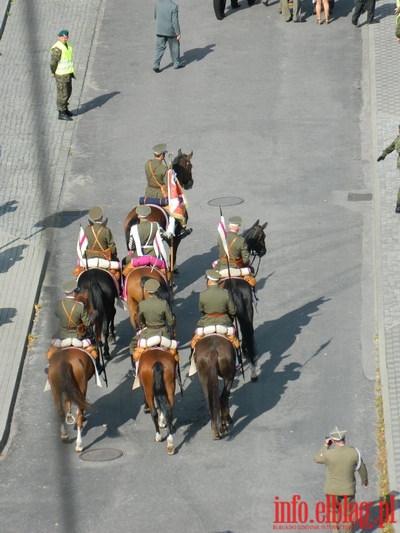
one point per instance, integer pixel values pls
(222, 234)
(176, 199)
(82, 243)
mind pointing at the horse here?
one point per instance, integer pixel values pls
(134, 289)
(242, 293)
(157, 376)
(214, 356)
(182, 167)
(70, 370)
(102, 290)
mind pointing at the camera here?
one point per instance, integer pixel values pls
(330, 441)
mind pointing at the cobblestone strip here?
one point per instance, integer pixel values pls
(34, 142)
(387, 107)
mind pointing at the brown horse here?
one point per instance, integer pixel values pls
(183, 169)
(134, 289)
(214, 356)
(157, 377)
(69, 372)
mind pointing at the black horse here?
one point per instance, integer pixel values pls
(100, 289)
(242, 294)
(219, 7)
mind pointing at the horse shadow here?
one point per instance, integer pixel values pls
(8, 207)
(99, 101)
(6, 315)
(62, 219)
(10, 256)
(253, 400)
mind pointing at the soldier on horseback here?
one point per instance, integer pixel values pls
(218, 310)
(100, 239)
(234, 257)
(155, 316)
(142, 243)
(156, 173)
(73, 321)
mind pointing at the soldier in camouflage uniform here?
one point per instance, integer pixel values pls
(395, 145)
(61, 65)
(239, 255)
(100, 239)
(156, 173)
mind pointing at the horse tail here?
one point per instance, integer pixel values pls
(70, 386)
(214, 402)
(246, 325)
(160, 392)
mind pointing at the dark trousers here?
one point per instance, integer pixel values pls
(368, 6)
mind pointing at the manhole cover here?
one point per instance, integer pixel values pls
(225, 201)
(101, 455)
(359, 197)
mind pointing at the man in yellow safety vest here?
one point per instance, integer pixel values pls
(62, 66)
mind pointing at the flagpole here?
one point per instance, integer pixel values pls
(239, 350)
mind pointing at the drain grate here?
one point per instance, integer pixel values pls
(101, 455)
(225, 201)
(359, 196)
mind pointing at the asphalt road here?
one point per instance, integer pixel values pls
(272, 112)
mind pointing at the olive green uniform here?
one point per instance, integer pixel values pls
(239, 254)
(394, 146)
(63, 83)
(147, 232)
(216, 304)
(154, 314)
(99, 239)
(341, 463)
(160, 170)
(71, 314)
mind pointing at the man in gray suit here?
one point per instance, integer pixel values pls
(167, 31)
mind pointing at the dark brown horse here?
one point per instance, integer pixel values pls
(242, 293)
(69, 372)
(214, 356)
(134, 289)
(101, 290)
(157, 377)
(183, 169)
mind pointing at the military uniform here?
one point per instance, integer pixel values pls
(395, 145)
(61, 53)
(341, 462)
(100, 239)
(147, 232)
(239, 254)
(156, 175)
(71, 315)
(217, 305)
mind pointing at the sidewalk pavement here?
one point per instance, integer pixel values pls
(35, 148)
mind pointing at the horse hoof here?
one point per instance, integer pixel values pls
(216, 436)
(158, 437)
(254, 378)
(64, 438)
(170, 449)
(224, 430)
(111, 338)
(146, 409)
(79, 449)
(229, 419)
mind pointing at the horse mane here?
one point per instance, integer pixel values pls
(163, 291)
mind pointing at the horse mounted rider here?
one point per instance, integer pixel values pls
(156, 171)
(73, 321)
(99, 249)
(154, 317)
(218, 310)
(238, 256)
(141, 244)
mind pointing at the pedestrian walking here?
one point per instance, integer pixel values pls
(167, 31)
(395, 145)
(361, 6)
(62, 67)
(342, 461)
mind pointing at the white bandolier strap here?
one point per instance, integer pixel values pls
(358, 465)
